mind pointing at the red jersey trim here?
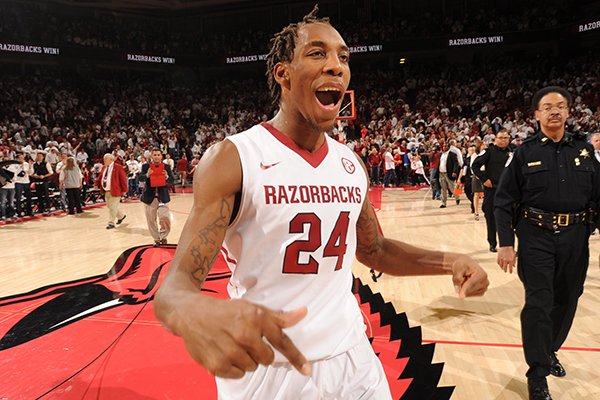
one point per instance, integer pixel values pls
(314, 159)
(227, 256)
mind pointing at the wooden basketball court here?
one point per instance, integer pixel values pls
(478, 339)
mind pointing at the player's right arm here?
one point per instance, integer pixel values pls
(398, 258)
(225, 336)
(508, 195)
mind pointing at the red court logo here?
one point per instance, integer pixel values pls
(348, 165)
(100, 333)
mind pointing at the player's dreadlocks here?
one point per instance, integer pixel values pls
(282, 49)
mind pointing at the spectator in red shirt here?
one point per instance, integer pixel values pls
(375, 165)
(398, 165)
(363, 131)
(434, 165)
(182, 168)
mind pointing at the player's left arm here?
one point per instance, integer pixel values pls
(397, 258)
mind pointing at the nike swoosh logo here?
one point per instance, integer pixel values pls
(267, 166)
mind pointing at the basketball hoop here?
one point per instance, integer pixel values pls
(348, 108)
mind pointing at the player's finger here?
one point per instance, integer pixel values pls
(262, 353)
(285, 319)
(230, 372)
(479, 292)
(248, 336)
(215, 360)
(280, 341)
(458, 279)
(253, 343)
(238, 357)
(474, 284)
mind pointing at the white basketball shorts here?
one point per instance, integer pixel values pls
(354, 375)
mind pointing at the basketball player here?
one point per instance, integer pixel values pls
(290, 213)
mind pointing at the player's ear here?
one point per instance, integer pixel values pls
(282, 75)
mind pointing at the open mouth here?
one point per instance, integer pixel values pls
(328, 97)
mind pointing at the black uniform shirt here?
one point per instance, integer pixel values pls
(494, 159)
(561, 177)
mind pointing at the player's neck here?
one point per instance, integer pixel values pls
(303, 133)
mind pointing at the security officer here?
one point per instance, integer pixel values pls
(494, 159)
(552, 183)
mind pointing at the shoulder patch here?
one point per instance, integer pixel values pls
(529, 139)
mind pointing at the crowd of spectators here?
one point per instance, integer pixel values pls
(406, 112)
(49, 24)
(530, 16)
(20, 23)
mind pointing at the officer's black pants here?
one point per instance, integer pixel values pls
(552, 267)
(488, 211)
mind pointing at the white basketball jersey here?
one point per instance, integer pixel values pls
(293, 241)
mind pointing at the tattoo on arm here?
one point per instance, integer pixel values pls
(207, 244)
(368, 233)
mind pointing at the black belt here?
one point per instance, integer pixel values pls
(554, 221)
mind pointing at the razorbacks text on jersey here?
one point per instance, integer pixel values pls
(293, 240)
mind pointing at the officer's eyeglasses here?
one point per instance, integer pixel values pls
(549, 107)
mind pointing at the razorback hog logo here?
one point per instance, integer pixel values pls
(94, 331)
(348, 165)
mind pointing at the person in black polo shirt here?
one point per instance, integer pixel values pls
(42, 171)
(493, 159)
(552, 184)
